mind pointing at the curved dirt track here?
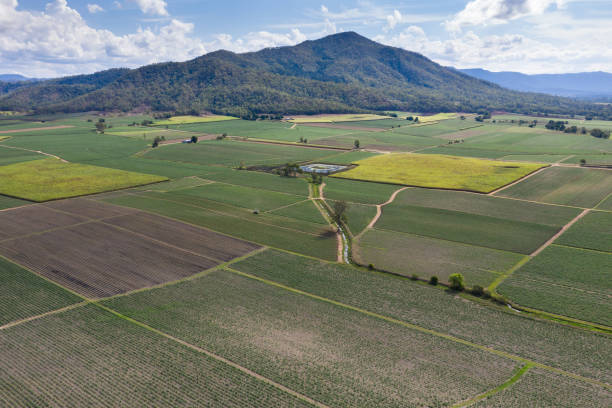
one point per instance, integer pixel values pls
(379, 208)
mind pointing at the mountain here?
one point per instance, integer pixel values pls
(14, 78)
(339, 73)
(590, 85)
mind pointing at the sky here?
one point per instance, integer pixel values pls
(50, 38)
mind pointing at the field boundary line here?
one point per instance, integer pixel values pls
(593, 292)
(517, 376)
(49, 313)
(533, 173)
(504, 276)
(36, 151)
(602, 201)
(214, 356)
(286, 206)
(225, 214)
(560, 232)
(424, 330)
(581, 248)
(503, 197)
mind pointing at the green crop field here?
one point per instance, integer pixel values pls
(354, 191)
(302, 210)
(268, 229)
(49, 179)
(538, 388)
(246, 197)
(88, 357)
(10, 156)
(605, 204)
(474, 219)
(23, 294)
(593, 231)
(566, 281)
(578, 351)
(437, 171)
(564, 185)
(233, 153)
(408, 254)
(591, 159)
(335, 118)
(347, 157)
(10, 202)
(358, 216)
(309, 346)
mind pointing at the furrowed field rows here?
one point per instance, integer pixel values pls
(593, 231)
(538, 388)
(564, 185)
(23, 294)
(563, 347)
(267, 229)
(9, 202)
(309, 346)
(74, 251)
(409, 254)
(89, 357)
(567, 281)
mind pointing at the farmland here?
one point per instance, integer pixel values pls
(437, 171)
(181, 120)
(51, 179)
(220, 283)
(304, 343)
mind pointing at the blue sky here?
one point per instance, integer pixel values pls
(46, 38)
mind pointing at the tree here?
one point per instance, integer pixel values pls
(339, 211)
(456, 281)
(100, 126)
(356, 144)
(433, 280)
(194, 139)
(601, 134)
(582, 162)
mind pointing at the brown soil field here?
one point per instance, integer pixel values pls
(97, 259)
(34, 129)
(189, 237)
(347, 127)
(32, 219)
(89, 208)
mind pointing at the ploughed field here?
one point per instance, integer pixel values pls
(100, 250)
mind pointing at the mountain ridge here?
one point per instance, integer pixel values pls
(343, 72)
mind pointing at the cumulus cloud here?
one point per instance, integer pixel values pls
(94, 8)
(393, 19)
(258, 40)
(157, 7)
(485, 12)
(59, 41)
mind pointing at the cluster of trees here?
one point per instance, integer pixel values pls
(562, 126)
(601, 134)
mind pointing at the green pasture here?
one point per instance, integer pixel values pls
(593, 231)
(357, 191)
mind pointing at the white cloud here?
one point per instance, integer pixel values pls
(257, 40)
(393, 19)
(58, 41)
(157, 7)
(485, 12)
(94, 8)
(324, 9)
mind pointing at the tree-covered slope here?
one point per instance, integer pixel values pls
(339, 73)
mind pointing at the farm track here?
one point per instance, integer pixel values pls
(428, 331)
(379, 210)
(36, 151)
(320, 201)
(558, 234)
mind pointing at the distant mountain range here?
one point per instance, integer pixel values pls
(343, 72)
(590, 85)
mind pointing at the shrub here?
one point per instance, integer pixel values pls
(456, 281)
(477, 290)
(486, 294)
(414, 277)
(371, 267)
(582, 162)
(433, 280)
(499, 299)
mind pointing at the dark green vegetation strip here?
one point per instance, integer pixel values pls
(593, 231)
(539, 388)
(10, 202)
(310, 346)
(113, 362)
(24, 294)
(566, 281)
(582, 352)
(268, 229)
(564, 185)
(409, 254)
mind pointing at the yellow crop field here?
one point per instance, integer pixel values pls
(336, 118)
(182, 120)
(439, 171)
(4, 137)
(51, 179)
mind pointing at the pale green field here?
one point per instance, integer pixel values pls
(179, 120)
(51, 179)
(439, 171)
(336, 118)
